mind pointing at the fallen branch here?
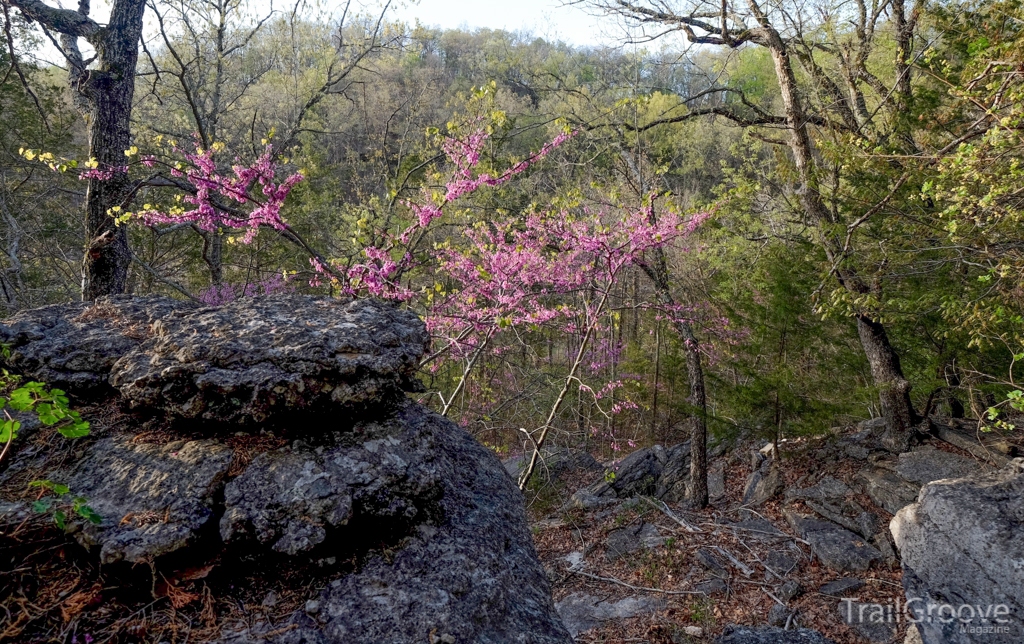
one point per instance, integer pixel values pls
(613, 580)
(742, 567)
(770, 534)
(657, 504)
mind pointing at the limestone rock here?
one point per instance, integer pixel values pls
(713, 586)
(555, 462)
(153, 499)
(259, 357)
(657, 470)
(888, 490)
(875, 623)
(74, 346)
(779, 614)
(828, 489)
(926, 465)
(292, 498)
(790, 590)
(246, 361)
(624, 541)
(673, 481)
(716, 483)
(841, 587)
(783, 562)
(401, 528)
(962, 545)
(764, 483)
(581, 612)
(467, 569)
(712, 563)
(836, 547)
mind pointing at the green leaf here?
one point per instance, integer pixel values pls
(9, 430)
(77, 430)
(60, 519)
(89, 514)
(42, 505)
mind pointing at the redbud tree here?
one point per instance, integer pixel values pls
(482, 285)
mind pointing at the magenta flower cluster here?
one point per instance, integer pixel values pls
(258, 207)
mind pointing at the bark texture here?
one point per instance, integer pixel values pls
(104, 96)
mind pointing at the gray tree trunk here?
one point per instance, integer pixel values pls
(104, 95)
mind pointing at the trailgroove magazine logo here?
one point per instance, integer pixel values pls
(975, 619)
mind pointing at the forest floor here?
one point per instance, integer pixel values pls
(670, 572)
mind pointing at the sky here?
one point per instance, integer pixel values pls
(549, 19)
(552, 20)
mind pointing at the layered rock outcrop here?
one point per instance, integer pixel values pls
(247, 361)
(272, 434)
(962, 546)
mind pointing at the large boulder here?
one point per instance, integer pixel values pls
(380, 520)
(656, 470)
(962, 547)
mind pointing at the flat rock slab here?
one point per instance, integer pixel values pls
(74, 346)
(153, 499)
(712, 587)
(628, 540)
(264, 356)
(927, 465)
(244, 362)
(962, 545)
(836, 547)
(770, 635)
(841, 587)
(828, 489)
(290, 499)
(887, 490)
(758, 528)
(712, 563)
(783, 562)
(581, 612)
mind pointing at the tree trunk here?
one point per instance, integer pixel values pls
(698, 420)
(894, 390)
(109, 91)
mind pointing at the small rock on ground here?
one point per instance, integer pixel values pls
(581, 612)
(841, 587)
(836, 547)
(630, 539)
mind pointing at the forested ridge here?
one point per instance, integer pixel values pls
(754, 221)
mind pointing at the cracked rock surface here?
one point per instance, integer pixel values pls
(962, 545)
(153, 498)
(380, 520)
(244, 362)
